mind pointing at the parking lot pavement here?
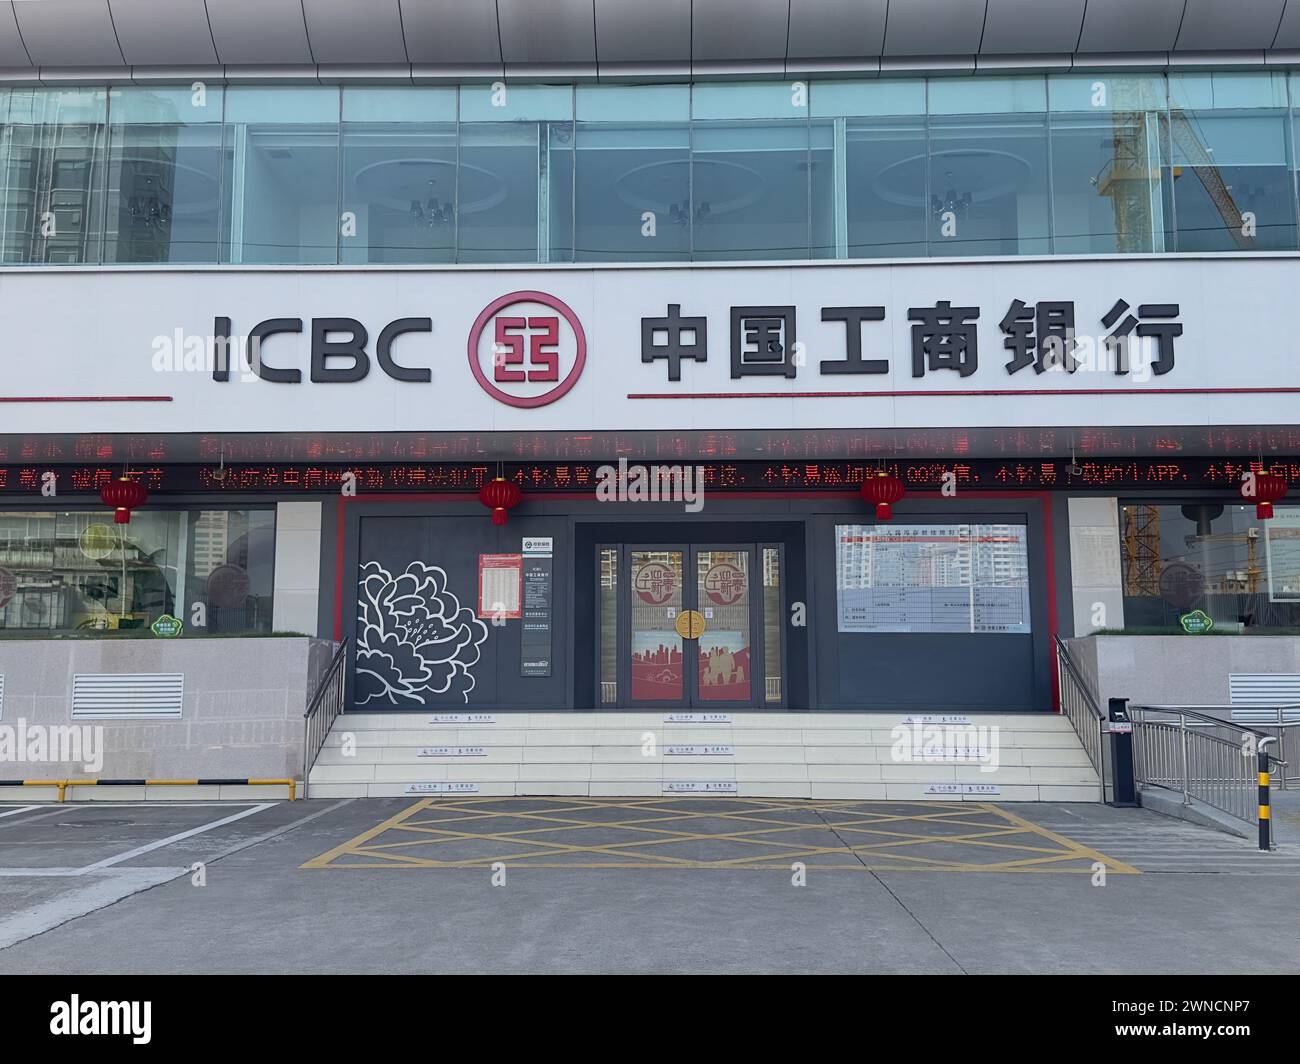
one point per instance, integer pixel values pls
(642, 885)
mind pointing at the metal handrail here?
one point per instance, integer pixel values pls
(323, 710)
(1184, 755)
(1081, 708)
(1287, 741)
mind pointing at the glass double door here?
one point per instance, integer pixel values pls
(688, 617)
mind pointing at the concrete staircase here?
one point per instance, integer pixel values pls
(778, 755)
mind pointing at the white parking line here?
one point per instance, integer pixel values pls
(21, 809)
(108, 862)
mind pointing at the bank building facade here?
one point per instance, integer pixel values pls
(765, 376)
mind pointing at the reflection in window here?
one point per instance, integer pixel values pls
(1215, 557)
(78, 571)
(1231, 181)
(52, 161)
(1106, 194)
(164, 176)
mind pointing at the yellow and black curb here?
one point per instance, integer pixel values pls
(63, 785)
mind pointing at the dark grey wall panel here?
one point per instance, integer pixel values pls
(259, 31)
(822, 29)
(1288, 34)
(1032, 27)
(171, 34)
(1126, 26)
(934, 27)
(744, 30)
(341, 31)
(634, 31)
(558, 31)
(12, 52)
(452, 32)
(1214, 24)
(68, 32)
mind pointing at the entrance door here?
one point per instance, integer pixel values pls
(688, 618)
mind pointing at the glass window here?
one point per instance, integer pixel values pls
(282, 162)
(988, 185)
(932, 578)
(52, 156)
(399, 175)
(773, 624)
(749, 190)
(497, 196)
(627, 171)
(1231, 176)
(164, 175)
(1215, 557)
(78, 571)
(886, 202)
(868, 99)
(608, 621)
(1106, 188)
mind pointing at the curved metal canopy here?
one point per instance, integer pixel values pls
(55, 40)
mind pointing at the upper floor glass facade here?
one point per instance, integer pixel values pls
(745, 171)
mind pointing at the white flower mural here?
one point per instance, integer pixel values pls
(414, 638)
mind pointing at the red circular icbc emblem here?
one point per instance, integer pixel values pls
(724, 584)
(527, 349)
(654, 583)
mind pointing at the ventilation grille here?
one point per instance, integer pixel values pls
(1265, 689)
(98, 696)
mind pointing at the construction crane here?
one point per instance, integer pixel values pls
(1141, 551)
(1128, 177)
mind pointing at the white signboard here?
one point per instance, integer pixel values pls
(463, 718)
(932, 578)
(442, 788)
(559, 349)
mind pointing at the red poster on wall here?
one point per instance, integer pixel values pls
(500, 586)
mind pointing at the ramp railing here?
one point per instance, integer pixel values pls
(1080, 706)
(323, 711)
(1204, 758)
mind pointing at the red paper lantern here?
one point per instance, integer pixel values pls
(124, 495)
(884, 490)
(1269, 488)
(500, 496)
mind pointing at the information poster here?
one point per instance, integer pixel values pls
(535, 639)
(500, 582)
(1282, 550)
(932, 578)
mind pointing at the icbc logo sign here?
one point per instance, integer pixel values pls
(527, 349)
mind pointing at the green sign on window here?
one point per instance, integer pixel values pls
(1197, 622)
(166, 626)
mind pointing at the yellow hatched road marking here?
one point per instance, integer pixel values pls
(857, 826)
